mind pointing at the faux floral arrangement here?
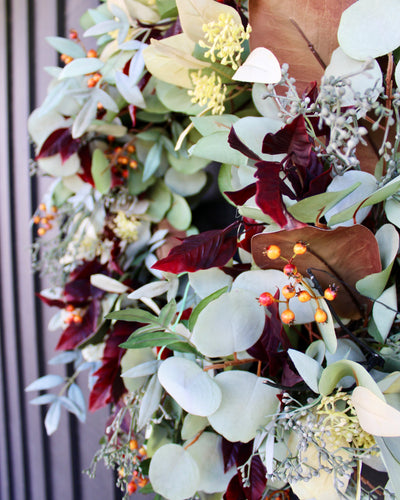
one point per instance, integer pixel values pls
(259, 360)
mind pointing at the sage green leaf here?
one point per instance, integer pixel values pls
(160, 198)
(105, 99)
(191, 387)
(66, 46)
(377, 196)
(167, 8)
(208, 125)
(153, 160)
(136, 184)
(173, 472)
(207, 281)
(150, 290)
(179, 215)
(311, 209)
(215, 147)
(150, 401)
(336, 371)
(392, 211)
(167, 313)
(176, 99)
(45, 382)
(101, 171)
(192, 425)
(308, 368)
(189, 165)
(346, 349)
(388, 240)
(133, 315)
(390, 454)
(207, 452)
(53, 416)
(60, 194)
(84, 118)
(108, 284)
(369, 28)
(102, 127)
(243, 390)
(185, 184)
(202, 304)
(238, 319)
(316, 350)
(136, 366)
(384, 316)
(81, 66)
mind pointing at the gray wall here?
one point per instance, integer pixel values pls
(32, 466)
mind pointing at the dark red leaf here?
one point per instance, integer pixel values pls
(293, 140)
(209, 249)
(289, 377)
(78, 289)
(240, 197)
(109, 386)
(230, 453)
(234, 490)
(76, 333)
(86, 164)
(236, 143)
(268, 194)
(59, 141)
(250, 229)
(257, 478)
(51, 302)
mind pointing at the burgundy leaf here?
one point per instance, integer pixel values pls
(240, 197)
(76, 333)
(201, 251)
(51, 302)
(59, 141)
(250, 229)
(234, 490)
(257, 478)
(86, 163)
(268, 195)
(109, 386)
(236, 143)
(289, 377)
(292, 140)
(230, 453)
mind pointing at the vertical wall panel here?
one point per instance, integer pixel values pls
(33, 466)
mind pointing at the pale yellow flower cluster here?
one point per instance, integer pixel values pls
(339, 421)
(126, 228)
(208, 90)
(224, 40)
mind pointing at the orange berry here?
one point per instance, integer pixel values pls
(132, 487)
(303, 296)
(91, 83)
(36, 219)
(131, 148)
(42, 207)
(289, 269)
(133, 164)
(91, 53)
(69, 308)
(54, 209)
(142, 451)
(73, 35)
(288, 291)
(110, 138)
(320, 316)
(287, 316)
(122, 160)
(121, 472)
(266, 299)
(133, 444)
(142, 482)
(44, 220)
(299, 248)
(330, 293)
(77, 319)
(125, 174)
(41, 231)
(273, 252)
(67, 59)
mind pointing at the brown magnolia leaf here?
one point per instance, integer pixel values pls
(285, 27)
(173, 239)
(341, 256)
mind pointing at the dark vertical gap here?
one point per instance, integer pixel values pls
(13, 263)
(39, 323)
(117, 491)
(6, 411)
(76, 466)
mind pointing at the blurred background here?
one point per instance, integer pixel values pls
(33, 466)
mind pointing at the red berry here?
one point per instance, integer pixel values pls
(289, 269)
(273, 252)
(266, 299)
(299, 248)
(287, 316)
(73, 35)
(330, 293)
(320, 316)
(288, 291)
(132, 487)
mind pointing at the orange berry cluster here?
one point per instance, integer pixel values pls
(138, 480)
(122, 159)
(303, 292)
(43, 217)
(74, 316)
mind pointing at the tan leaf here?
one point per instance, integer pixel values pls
(341, 256)
(277, 25)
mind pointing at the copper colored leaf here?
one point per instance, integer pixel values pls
(341, 256)
(278, 26)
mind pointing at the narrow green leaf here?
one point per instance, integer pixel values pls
(81, 66)
(153, 160)
(202, 304)
(101, 171)
(167, 313)
(133, 315)
(66, 46)
(150, 339)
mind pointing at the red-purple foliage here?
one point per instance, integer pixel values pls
(59, 141)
